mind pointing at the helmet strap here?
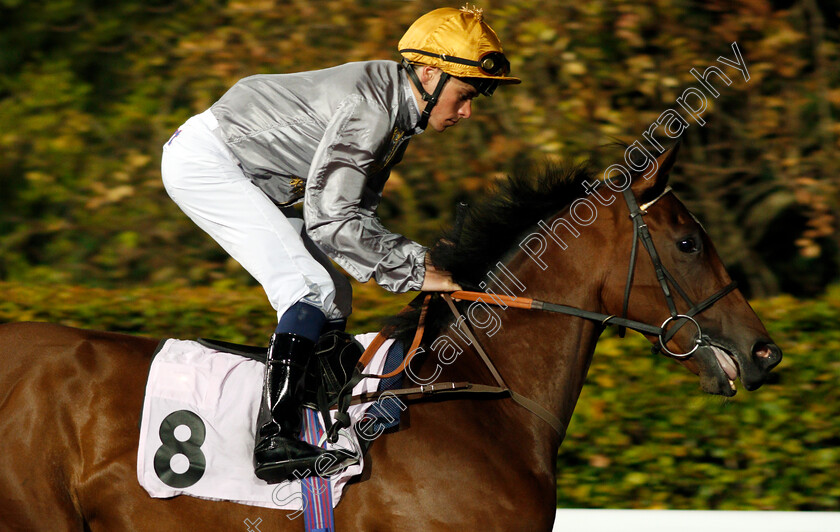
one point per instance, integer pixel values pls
(430, 99)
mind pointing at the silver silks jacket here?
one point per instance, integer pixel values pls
(330, 137)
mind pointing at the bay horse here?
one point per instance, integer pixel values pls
(70, 399)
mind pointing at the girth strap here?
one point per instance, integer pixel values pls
(467, 387)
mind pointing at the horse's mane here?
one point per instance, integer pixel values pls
(491, 229)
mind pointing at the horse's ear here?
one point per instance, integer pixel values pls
(647, 189)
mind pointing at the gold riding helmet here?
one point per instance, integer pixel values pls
(460, 44)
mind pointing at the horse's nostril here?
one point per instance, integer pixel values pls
(766, 356)
(762, 350)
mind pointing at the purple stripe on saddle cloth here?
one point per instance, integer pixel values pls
(316, 491)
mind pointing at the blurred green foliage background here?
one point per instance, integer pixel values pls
(643, 436)
(90, 90)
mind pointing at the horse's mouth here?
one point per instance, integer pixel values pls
(728, 364)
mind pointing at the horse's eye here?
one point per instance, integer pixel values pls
(687, 245)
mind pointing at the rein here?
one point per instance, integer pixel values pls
(663, 334)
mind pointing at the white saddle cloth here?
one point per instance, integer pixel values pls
(198, 422)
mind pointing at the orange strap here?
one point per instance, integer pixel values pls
(377, 342)
(494, 299)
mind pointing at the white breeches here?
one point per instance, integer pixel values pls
(201, 175)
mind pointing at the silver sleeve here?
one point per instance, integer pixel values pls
(336, 220)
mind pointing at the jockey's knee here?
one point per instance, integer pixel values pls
(302, 319)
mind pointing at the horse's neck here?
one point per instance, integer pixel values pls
(541, 355)
(545, 356)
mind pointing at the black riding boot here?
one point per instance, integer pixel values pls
(278, 451)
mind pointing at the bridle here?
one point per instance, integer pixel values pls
(662, 332)
(640, 233)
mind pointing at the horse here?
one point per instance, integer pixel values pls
(70, 399)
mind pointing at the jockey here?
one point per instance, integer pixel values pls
(327, 138)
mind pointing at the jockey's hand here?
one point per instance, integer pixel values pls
(437, 280)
